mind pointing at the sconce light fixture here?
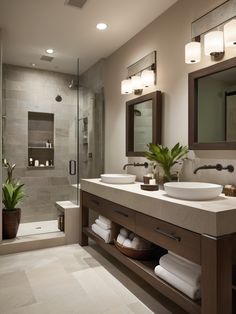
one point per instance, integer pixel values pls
(193, 52)
(140, 75)
(214, 44)
(223, 20)
(230, 33)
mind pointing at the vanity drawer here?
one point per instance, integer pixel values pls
(115, 212)
(170, 237)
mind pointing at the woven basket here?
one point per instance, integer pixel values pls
(135, 254)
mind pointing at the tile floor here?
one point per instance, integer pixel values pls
(74, 280)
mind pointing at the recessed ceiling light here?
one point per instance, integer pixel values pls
(33, 65)
(50, 51)
(101, 26)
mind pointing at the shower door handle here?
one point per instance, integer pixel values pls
(72, 167)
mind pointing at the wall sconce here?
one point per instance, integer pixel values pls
(140, 75)
(214, 41)
(230, 33)
(193, 52)
(214, 44)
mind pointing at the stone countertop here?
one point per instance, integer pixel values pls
(214, 217)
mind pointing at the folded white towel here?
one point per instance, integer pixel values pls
(106, 235)
(105, 220)
(102, 224)
(185, 270)
(184, 259)
(121, 239)
(127, 243)
(124, 232)
(181, 285)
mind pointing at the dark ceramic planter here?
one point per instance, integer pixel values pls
(10, 223)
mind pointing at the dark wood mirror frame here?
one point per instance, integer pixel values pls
(193, 107)
(156, 121)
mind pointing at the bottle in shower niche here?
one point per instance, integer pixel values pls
(48, 144)
(31, 162)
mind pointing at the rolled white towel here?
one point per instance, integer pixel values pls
(131, 236)
(102, 224)
(106, 235)
(124, 232)
(193, 292)
(136, 243)
(185, 270)
(127, 243)
(121, 239)
(105, 220)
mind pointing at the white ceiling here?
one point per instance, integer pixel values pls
(31, 26)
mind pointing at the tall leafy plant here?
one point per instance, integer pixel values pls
(12, 189)
(166, 158)
(12, 195)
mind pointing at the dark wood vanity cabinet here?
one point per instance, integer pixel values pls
(215, 255)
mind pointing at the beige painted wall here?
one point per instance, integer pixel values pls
(167, 35)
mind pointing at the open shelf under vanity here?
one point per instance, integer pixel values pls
(145, 269)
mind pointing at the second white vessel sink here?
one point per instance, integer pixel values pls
(193, 191)
(118, 178)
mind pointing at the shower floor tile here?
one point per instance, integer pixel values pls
(39, 227)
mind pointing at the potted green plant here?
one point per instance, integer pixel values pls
(166, 158)
(12, 195)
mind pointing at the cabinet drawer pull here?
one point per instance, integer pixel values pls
(95, 202)
(121, 213)
(168, 235)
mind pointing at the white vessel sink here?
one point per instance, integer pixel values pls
(194, 191)
(118, 178)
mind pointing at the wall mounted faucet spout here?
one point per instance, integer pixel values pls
(218, 167)
(136, 164)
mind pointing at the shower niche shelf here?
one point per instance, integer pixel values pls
(40, 136)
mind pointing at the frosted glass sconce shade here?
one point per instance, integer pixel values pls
(148, 78)
(230, 33)
(214, 43)
(136, 82)
(192, 52)
(126, 87)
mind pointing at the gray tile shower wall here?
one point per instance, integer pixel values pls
(24, 90)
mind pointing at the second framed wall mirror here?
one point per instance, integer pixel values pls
(212, 107)
(143, 123)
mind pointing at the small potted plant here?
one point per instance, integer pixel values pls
(12, 195)
(166, 158)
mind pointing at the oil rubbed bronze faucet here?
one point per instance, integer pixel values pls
(136, 164)
(218, 167)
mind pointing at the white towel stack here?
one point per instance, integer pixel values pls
(103, 228)
(181, 274)
(130, 240)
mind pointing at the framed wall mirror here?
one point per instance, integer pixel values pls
(212, 107)
(143, 123)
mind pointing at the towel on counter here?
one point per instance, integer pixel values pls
(182, 268)
(106, 235)
(193, 292)
(102, 224)
(105, 220)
